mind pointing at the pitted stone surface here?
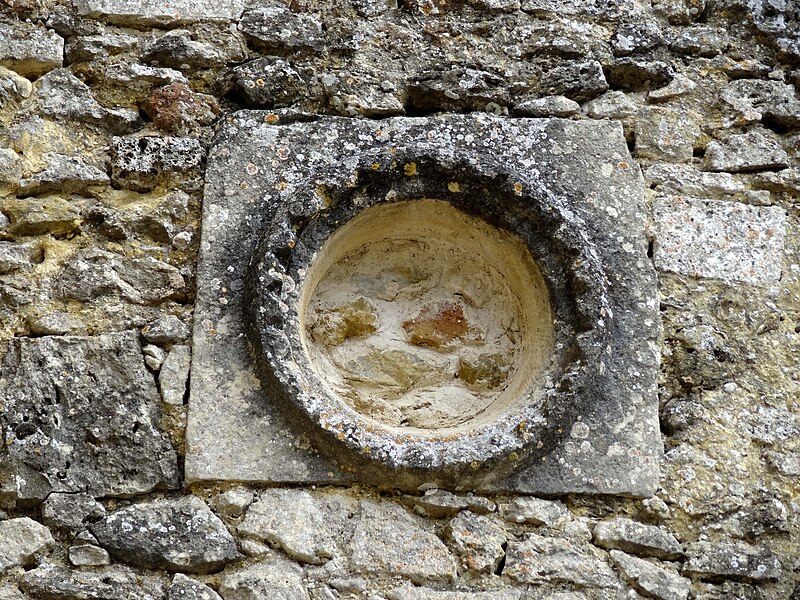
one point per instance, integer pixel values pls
(389, 541)
(730, 241)
(106, 583)
(180, 535)
(257, 164)
(64, 397)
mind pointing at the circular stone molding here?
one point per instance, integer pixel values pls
(417, 331)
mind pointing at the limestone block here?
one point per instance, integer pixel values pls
(723, 240)
(105, 583)
(637, 538)
(29, 50)
(20, 540)
(159, 12)
(651, 579)
(746, 152)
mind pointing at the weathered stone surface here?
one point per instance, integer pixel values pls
(94, 273)
(577, 80)
(239, 181)
(21, 485)
(408, 592)
(277, 29)
(36, 216)
(175, 108)
(271, 82)
(58, 323)
(50, 582)
(635, 37)
(457, 88)
(273, 577)
(30, 51)
(637, 538)
(71, 512)
(650, 579)
(539, 559)
(88, 555)
(14, 88)
(154, 358)
(686, 179)
(441, 503)
(10, 170)
(158, 13)
(611, 105)
(64, 398)
(65, 175)
(186, 588)
(747, 152)
(20, 540)
(700, 41)
(140, 163)
(638, 75)
(168, 329)
(15, 256)
(98, 47)
(389, 541)
(65, 97)
(308, 528)
(479, 541)
(534, 511)
(10, 592)
(718, 239)
(174, 375)
(731, 560)
(177, 535)
(549, 106)
(177, 48)
(678, 87)
(233, 502)
(665, 134)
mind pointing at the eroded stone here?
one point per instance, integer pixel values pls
(20, 540)
(651, 579)
(107, 583)
(478, 540)
(731, 560)
(186, 588)
(272, 577)
(637, 538)
(747, 152)
(30, 51)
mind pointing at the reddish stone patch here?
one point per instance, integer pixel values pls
(437, 324)
(176, 108)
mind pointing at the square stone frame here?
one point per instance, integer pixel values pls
(236, 433)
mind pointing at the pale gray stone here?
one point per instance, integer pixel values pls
(478, 540)
(408, 592)
(233, 502)
(15, 256)
(539, 559)
(94, 273)
(389, 541)
(65, 175)
(21, 485)
(700, 41)
(637, 538)
(534, 511)
(631, 74)
(686, 179)
(176, 48)
(65, 97)
(64, 397)
(104, 583)
(168, 329)
(20, 540)
(9, 591)
(665, 134)
(13, 88)
(272, 82)
(140, 163)
(87, 555)
(154, 358)
(180, 535)
(786, 181)
(71, 512)
(611, 105)
(153, 12)
(186, 588)
(277, 28)
(174, 374)
(678, 87)
(58, 323)
(29, 50)
(143, 77)
(635, 37)
(650, 579)
(747, 152)
(717, 239)
(549, 106)
(99, 47)
(10, 169)
(273, 577)
(739, 561)
(438, 503)
(308, 528)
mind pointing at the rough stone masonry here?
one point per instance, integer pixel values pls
(108, 109)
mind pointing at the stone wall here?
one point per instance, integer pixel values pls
(107, 110)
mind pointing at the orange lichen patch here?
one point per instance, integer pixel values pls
(437, 324)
